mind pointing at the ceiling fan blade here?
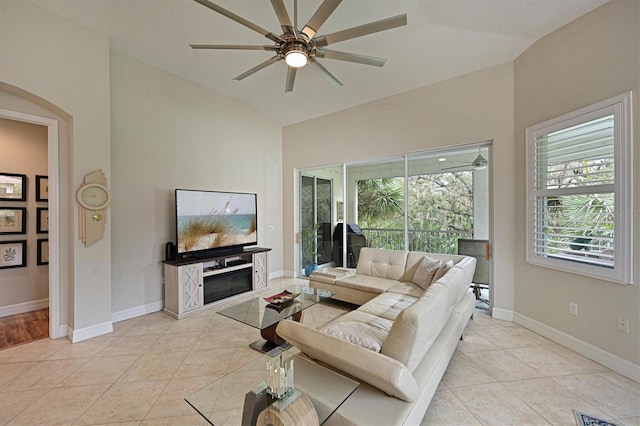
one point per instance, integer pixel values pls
(291, 78)
(295, 17)
(361, 30)
(221, 10)
(324, 73)
(283, 16)
(457, 168)
(231, 47)
(350, 57)
(319, 17)
(258, 67)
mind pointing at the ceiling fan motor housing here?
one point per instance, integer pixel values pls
(292, 44)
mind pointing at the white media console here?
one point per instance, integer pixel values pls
(194, 285)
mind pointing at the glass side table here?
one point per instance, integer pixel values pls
(265, 316)
(222, 402)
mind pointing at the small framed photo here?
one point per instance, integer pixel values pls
(42, 188)
(13, 254)
(13, 187)
(42, 220)
(43, 251)
(13, 220)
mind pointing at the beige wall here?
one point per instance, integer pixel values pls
(591, 59)
(24, 151)
(472, 108)
(64, 67)
(169, 133)
(12, 99)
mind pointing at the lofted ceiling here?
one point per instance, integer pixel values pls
(443, 39)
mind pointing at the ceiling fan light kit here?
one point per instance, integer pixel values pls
(300, 48)
(296, 54)
(295, 58)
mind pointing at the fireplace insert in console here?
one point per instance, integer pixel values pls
(217, 287)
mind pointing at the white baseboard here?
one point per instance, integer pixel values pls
(89, 332)
(137, 311)
(20, 308)
(609, 360)
(502, 314)
(276, 274)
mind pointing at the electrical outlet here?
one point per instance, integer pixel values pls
(623, 325)
(573, 309)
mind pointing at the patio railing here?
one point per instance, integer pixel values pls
(445, 242)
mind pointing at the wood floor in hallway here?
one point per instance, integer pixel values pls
(22, 328)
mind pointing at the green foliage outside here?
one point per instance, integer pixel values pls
(380, 203)
(442, 202)
(440, 211)
(308, 240)
(578, 221)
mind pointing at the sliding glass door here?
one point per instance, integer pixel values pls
(317, 202)
(435, 202)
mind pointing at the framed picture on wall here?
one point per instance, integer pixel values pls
(13, 220)
(42, 220)
(13, 187)
(43, 251)
(42, 188)
(13, 254)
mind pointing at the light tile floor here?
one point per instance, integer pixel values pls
(138, 375)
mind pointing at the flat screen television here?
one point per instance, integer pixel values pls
(211, 222)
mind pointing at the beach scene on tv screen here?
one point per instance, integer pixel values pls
(209, 220)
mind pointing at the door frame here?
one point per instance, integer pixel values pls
(305, 174)
(55, 330)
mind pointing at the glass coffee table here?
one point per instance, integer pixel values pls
(223, 401)
(265, 316)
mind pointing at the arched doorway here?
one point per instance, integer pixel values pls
(55, 328)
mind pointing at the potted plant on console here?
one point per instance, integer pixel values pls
(309, 252)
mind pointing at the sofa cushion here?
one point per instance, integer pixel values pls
(358, 333)
(457, 280)
(388, 264)
(426, 271)
(415, 257)
(382, 324)
(416, 327)
(366, 283)
(380, 371)
(444, 267)
(387, 305)
(408, 289)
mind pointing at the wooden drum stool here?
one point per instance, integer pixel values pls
(300, 412)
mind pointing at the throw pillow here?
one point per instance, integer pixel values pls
(358, 333)
(425, 272)
(442, 270)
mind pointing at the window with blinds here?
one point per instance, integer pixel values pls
(579, 187)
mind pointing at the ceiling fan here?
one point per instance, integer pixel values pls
(479, 163)
(303, 47)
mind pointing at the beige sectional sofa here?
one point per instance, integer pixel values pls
(398, 343)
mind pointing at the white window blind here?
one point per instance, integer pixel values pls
(579, 186)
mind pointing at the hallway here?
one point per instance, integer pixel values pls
(23, 328)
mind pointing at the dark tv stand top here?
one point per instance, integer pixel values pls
(207, 258)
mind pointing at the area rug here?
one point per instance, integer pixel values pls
(583, 419)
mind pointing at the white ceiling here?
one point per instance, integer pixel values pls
(443, 39)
